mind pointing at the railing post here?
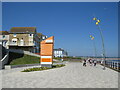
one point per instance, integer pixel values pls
(118, 66)
(112, 65)
(115, 65)
(109, 64)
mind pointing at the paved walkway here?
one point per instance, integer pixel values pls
(73, 75)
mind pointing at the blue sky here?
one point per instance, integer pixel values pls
(70, 23)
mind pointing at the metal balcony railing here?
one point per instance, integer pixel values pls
(12, 43)
(27, 43)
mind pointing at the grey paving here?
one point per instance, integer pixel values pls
(73, 75)
(0, 79)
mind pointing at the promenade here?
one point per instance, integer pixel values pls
(73, 75)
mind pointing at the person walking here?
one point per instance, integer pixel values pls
(84, 63)
(90, 61)
(95, 62)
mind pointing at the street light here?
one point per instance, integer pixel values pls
(103, 48)
(92, 38)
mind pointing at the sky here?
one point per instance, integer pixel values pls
(70, 23)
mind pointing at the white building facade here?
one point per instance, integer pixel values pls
(60, 53)
(25, 38)
(4, 39)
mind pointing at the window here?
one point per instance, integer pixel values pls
(3, 36)
(30, 35)
(14, 40)
(43, 37)
(14, 35)
(31, 41)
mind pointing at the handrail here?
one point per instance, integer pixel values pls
(4, 57)
(113, 64)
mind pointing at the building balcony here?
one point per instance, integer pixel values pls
(21, 44)
(12, 44)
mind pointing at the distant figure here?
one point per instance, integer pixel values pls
(62, 59)
(90, 62)
(95, 62)
(102, 61)
(84, 63)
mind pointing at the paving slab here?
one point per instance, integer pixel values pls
(73, 75)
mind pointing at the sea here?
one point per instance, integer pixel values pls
(114, 61)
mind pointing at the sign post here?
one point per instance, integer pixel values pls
(47, 52)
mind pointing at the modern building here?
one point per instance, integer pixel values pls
(25, 38)
(4, 39)
(60, 53)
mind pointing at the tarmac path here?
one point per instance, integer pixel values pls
(73, 75)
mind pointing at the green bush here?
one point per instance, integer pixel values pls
(72, 57)
(42, 68)
(58, 65)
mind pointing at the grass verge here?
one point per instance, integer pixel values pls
(25, 59)
(42, 68)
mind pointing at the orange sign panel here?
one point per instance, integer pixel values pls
(47, 51)
(46, 59)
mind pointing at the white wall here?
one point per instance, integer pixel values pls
(6, 38)
(58, 53)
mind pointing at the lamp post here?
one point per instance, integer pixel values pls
(103, 48)
(92, 38)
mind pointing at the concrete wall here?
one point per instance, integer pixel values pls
(3, 56)
(6, 57)
(4, 60)
(0, 65)
(27, 48)
(23, 52)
